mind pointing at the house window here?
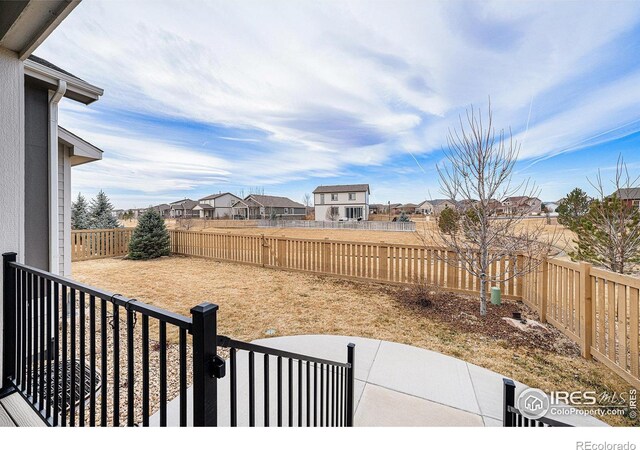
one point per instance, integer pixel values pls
(322, 199)
(334, 197)
(352, 195)
(353, 212)
(286, 210)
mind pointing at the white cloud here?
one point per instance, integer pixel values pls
(332, 84)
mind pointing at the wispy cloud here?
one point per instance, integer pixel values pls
(279, 92)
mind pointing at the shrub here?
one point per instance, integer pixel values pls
(150, 239)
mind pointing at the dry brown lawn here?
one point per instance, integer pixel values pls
(253, 300)
(425, 232)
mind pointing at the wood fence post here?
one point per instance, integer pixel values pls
(281, 251)
(586, 305)
(265, 251)
(384, 266)
(326, 256)
(519, 287)
(544, 291)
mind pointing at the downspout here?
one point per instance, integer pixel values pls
(54, 265)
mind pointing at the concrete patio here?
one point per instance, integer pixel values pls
(396, 385)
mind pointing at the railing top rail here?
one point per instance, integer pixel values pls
(545, 420)
(225, 341)
(117, 299)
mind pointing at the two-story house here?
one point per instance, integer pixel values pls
(183, 209)
(216, 206)
(342, 202)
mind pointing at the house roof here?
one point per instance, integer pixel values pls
(203, 206)
(271, 201)
(49, 75)
(436, 202)
(409, 205)
(162, 207)
(50, 65)
(214, 196)
(628, 193)
(335, 188)
(187, 203)
(81, 151)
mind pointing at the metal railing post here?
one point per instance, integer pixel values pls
(205, 387)
(351, 373)
(509, 399)
(8, 318)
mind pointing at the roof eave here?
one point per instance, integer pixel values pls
(33, 24)
(77, 89)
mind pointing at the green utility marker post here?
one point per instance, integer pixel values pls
(496, 296)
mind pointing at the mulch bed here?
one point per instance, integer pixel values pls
(462, 313)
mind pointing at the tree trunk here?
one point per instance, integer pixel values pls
(483, 296)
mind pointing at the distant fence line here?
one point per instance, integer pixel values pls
(362, 225)
(104, 243)
(597, 309)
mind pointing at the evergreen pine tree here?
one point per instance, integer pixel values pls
(573, 208)
(403, 217)
(102, 212)
(448, 221)
(150, 238)
(80, 219)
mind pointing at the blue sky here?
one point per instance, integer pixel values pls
(208, 96)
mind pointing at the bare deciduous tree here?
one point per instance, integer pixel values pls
(306, 199)
(332, 214)
(478, 174)
(609, 233)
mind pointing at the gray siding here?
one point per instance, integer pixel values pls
(36, 176)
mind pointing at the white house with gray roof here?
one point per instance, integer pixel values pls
(216, 206)
(265, 206)
(342, 202)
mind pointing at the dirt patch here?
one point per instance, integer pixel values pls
(462, 313)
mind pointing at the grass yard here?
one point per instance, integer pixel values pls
(253, 300)
(425, 232)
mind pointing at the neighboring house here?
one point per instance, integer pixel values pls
(344, 201)
(551, 207)
(163, 209)
(377, 208)
(265, 206)
(521, 205)
(631, 196)
(434, 207)
(183, 209)
(408, 208)
(37, 154)
(216, 206)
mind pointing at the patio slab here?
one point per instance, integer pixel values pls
(379, 408)
(396, 385)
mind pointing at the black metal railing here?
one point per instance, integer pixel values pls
(81, 356)
(512, 417)
(308, 391)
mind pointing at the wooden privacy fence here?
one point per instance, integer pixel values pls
(93, 244)
(595, 308)
(391, 263)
